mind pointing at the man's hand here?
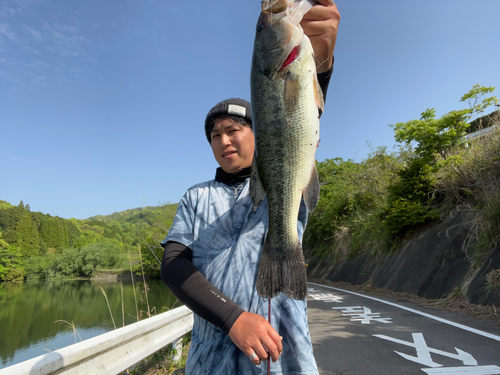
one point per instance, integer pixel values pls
(253, 334)
(320, 24)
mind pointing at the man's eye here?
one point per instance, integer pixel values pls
(215, 135)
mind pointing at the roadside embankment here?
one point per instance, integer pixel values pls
(432, 265)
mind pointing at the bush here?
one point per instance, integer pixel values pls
(73, 262)
(102, 255)
(15, 275)
(471, 182)
(352, 198)
(373, 205)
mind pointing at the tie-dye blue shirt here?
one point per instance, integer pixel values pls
(226, 237)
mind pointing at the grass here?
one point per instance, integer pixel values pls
(470, 182)
(160, 363)
(73, 327)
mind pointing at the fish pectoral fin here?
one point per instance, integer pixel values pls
(311, 191)
(257, 192)
(318, 95)
(292, 92)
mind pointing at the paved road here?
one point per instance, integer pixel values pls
(359, 334)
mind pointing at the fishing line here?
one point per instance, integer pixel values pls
(269, 359)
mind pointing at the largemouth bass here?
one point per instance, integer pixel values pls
(285, 97)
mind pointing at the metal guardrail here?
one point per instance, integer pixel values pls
(112, 352)
(480, 133)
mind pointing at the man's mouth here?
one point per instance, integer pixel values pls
(229, 153)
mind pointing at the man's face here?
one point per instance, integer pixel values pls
(232, 144)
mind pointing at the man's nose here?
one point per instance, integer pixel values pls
(224, 140)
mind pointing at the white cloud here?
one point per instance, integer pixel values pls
(65, 41)
(7, 12)
(39, 79)
(7, 32)
(68, 29)
(37, 65)
(37, 35)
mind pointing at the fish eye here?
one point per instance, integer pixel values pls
(260, 27)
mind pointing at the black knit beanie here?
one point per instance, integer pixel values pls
(232, 107)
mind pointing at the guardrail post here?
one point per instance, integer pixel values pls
(177, 350)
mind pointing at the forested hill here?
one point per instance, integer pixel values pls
(34, 244)
(124, 215)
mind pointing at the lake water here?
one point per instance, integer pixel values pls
(29, 313)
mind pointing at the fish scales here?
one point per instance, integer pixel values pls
(286, 126)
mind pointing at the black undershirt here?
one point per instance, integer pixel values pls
(185, 280)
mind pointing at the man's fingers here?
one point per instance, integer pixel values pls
(313, 28)
(277, 340)
(261, 353)
(321, 13)
(326, 2)
(271, 348)
(253, 334)
(317, 13)
(252, 355)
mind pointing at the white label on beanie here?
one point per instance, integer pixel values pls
(237, 110)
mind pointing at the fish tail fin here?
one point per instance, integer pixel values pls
(287, 275)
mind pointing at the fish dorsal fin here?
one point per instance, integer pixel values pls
(257, 192)
(311, 191)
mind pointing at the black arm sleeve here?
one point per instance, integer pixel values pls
(192, 288)
(324, 81)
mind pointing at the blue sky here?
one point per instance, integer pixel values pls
(102, 103)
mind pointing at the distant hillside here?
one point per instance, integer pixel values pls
(33, 243)
(4, 205)
(120, 215)
(149, 215)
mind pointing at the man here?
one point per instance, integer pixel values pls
(212, 250)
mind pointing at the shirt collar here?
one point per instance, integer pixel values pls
(231, 178)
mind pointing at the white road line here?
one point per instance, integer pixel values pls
(461, 326)
(472, 370)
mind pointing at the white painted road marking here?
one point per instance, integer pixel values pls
(326, 297)
(362, 314)
(424, 352)
(457, 325)
(312, 290)
(473, 370)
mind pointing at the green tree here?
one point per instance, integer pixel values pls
(63, 233)
(153, 227)
(73, 233)
(429, 136)
(425, 143)
(10, 262)
(27, 236)
(8, 222)
(352, 198)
